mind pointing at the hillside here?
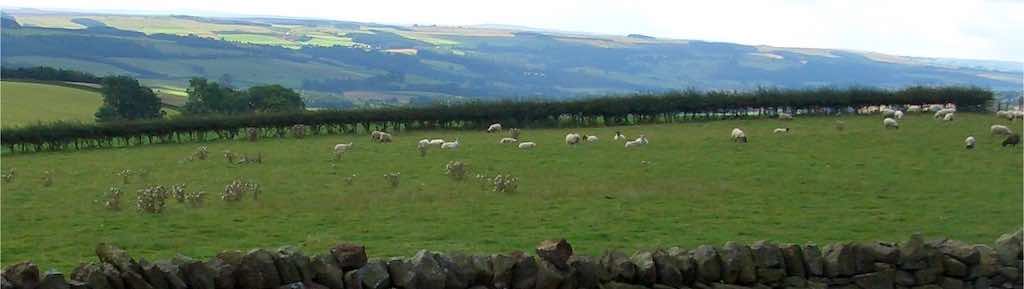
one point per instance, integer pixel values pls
(376, 63)
(26, 102)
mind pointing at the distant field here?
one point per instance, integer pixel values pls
(691, 185)
(25, 103)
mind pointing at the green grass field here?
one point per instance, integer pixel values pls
(25, 103)
(691, 185)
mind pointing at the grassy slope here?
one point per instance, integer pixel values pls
(816, 184)
(24, 103)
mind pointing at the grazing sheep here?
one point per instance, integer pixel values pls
(592, 138)
(494, 127)
(375, 135)
(423, 143)
(943, 112)
(527, 145)
(948, 117)
(642, 140)
(1000, 130)
(572, 138)
(507, 140)
(342, 147)
(619, 136)
(1011, 140)
(1016, 114)
(889, 122)
(436, 142)
(738, 135)
(898, 114)
(781, 130)
(384, 137)
(914, 108)
(450, 145)
(1004, 114)
(888, 112)
(969, 141)
(785, 116)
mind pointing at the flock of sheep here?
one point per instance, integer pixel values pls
(891, 120)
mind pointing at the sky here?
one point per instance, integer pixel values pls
(975, 29)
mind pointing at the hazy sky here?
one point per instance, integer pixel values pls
(991, 29)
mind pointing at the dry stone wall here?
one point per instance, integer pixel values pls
(915, 263)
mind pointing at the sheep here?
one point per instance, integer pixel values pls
(785, 116)
(619, 136)
(572, 138)
(934, 107)
(375, 135)
(342, 147)
(642, 140)
(384, 137)
(781, 130)
(450, 145)
(943, 112)
(888, 112)
(738, 135)
(914, 108)
(438, 142)
(1000, 130)
(898, 114)
(969, 141)
(1011, 140)
(527, 145)
(494, 127)
(507, 140)
(592, 138)
(1004, 114)
(423, 143)
(1016, 114)
(889, 122)
(948, 117)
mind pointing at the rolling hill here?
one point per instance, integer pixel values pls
(26, 102)
(338, 62)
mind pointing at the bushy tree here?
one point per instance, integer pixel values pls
(125, 99)
(211, 97)
(274, 98)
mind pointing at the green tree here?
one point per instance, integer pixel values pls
(124, 98)
(274, 98)
(210, 97)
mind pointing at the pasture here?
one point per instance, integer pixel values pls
(691, 185)
(26, 102)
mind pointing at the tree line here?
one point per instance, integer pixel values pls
(610, 110)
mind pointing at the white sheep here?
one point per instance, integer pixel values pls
(934, 107)
(1000, 130)
(948, 117)
(423, 143)
(527, 145)
(785, 116)
(619, 136)
(592, 138)
(437, 142)
(384, 137)
(943, 112)
(1004, 114)
(781, 130)
(375, 135)
(738, 135)
(898, 114)
(969, 141)
(888, 112)
(494, 127)
(342, 147)
(450, 145)
(507, 140)
(572, 138)
(889, 122)
(914, 108)
(642, 140)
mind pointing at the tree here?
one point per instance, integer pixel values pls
(210, 97)
(274, 98)
(124, 98)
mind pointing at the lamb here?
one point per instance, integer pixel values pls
(1000, 130)
(438, 142)
(494, 127)
(450, 145)
(619, 136)
(572, 139)
(781, 130)
(642, 140)
(507, 140)
(527, 145)
(785, 116)
(738, 135)
(342, 147)
(898, 114)
(969, 141)
(889, 122)
(1012, 140)
(592, 138)
(948, 117)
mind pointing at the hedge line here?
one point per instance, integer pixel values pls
(611, 110)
